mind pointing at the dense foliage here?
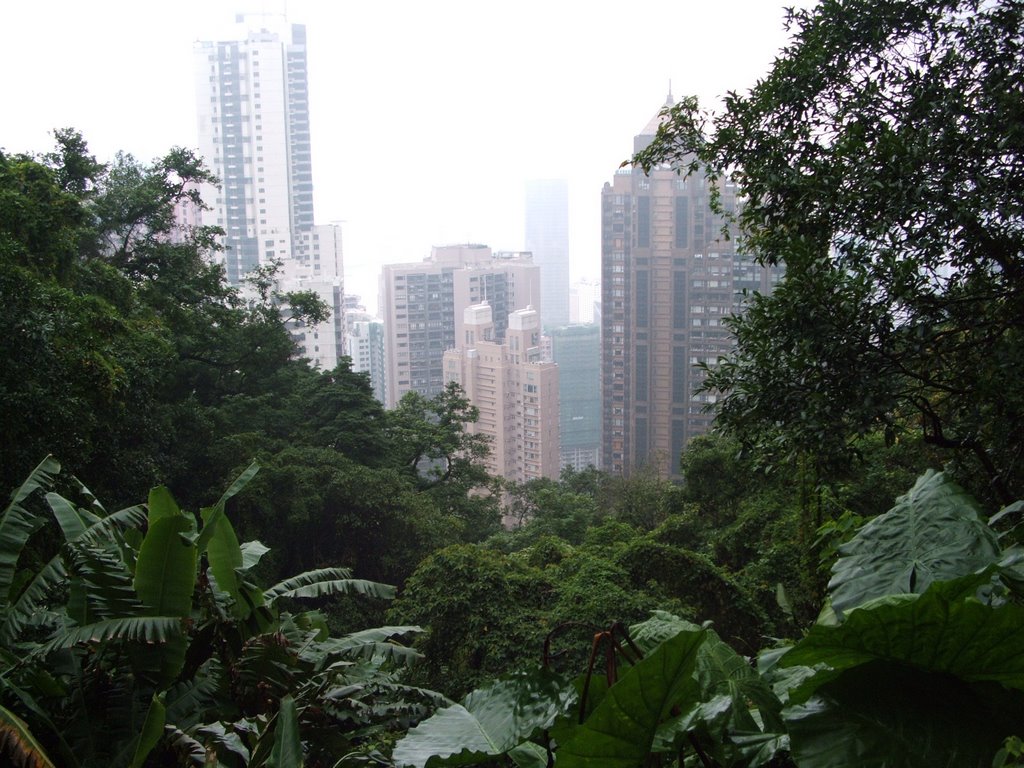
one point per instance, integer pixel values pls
(127, 353)
(916, 660)
(882, 160)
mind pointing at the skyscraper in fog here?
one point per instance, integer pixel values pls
(547, 237)
(253, 111)
(668, 281)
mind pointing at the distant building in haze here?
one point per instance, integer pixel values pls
(577, 351)
(668, 281)
(364, 344)
(423, 303)
(547, 238)
(584, 301)
(515, 391)
(253, 110)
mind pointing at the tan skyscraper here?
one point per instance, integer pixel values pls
(515, 392)
(668, 281)
(422, 305)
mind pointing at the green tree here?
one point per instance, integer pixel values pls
(881, 160)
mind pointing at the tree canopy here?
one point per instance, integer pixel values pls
(881, 160)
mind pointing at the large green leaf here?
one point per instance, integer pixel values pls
(166, 569)
(18, 522)
(621, 731)
(738, 720)
(963, 638)
(891, 715)
(373, 643)
(328, 581)
(490, 721)
(287, 751)
(149, 630)
(224, 555)
(933, 533)
(73, 522)
(152, 730)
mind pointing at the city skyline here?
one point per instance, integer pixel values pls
(439, 115)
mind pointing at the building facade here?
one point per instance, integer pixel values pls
(364, 344)
(577, 351)
(547, 238)
(515, 392)
(253, 112)
(422, 305)
(668, 281)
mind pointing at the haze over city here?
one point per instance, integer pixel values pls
(426, 119)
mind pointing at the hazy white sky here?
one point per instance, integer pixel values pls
(427, 118)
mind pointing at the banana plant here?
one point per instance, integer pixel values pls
(144, 638)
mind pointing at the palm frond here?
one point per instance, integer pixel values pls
(328, 581)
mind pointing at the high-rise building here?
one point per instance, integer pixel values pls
(547, 238)
(423, 304)
(253, 111)
(668, 281)
(584, 301)
(515, 391)
(577, 351)
(364, 344)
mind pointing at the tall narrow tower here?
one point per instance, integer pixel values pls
(669, 279)
(253, 111)
(547, 237)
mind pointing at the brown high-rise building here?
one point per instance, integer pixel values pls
(669, 279)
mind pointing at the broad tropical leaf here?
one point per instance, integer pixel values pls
(963, 638)
(142, 629)
(287, 751)
(166, 569)
(328, 581)
(223, 554)
(373, 643)
(18, 523)
(490, 721)
(18, 745)
(621, 731)
(239, 483)
(934, 533)
(152, 730)
(887, 714)
(73, 522)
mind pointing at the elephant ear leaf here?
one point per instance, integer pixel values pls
(934, 533)
(650, 692)
(491, 721)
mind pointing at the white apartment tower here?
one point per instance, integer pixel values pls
(253, 111)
